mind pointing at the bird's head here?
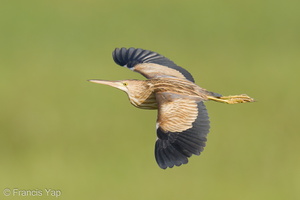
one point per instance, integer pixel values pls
(128, 86)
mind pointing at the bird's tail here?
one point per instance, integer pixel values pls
(234, 99)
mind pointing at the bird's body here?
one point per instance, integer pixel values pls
(145, 98)
(182, 120)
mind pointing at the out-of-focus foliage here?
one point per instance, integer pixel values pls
(58, 131)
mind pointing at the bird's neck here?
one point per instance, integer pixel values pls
(143, 97)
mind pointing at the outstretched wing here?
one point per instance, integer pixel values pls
(149, 64)
(182, 127)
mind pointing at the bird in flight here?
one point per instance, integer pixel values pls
(182, 121)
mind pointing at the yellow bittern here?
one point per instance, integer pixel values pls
(182, 121)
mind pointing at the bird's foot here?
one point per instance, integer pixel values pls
(243, 98)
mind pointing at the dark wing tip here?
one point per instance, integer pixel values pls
(167, 155)
(133, 56)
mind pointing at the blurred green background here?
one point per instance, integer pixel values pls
(58, 131)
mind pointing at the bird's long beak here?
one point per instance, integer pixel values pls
(116, 84)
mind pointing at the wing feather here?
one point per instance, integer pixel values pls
(149, 64)
(182, 128)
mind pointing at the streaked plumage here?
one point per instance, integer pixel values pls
(182, 120)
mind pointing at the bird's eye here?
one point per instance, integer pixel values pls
(125, 84)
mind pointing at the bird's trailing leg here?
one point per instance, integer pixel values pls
(243, 98)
